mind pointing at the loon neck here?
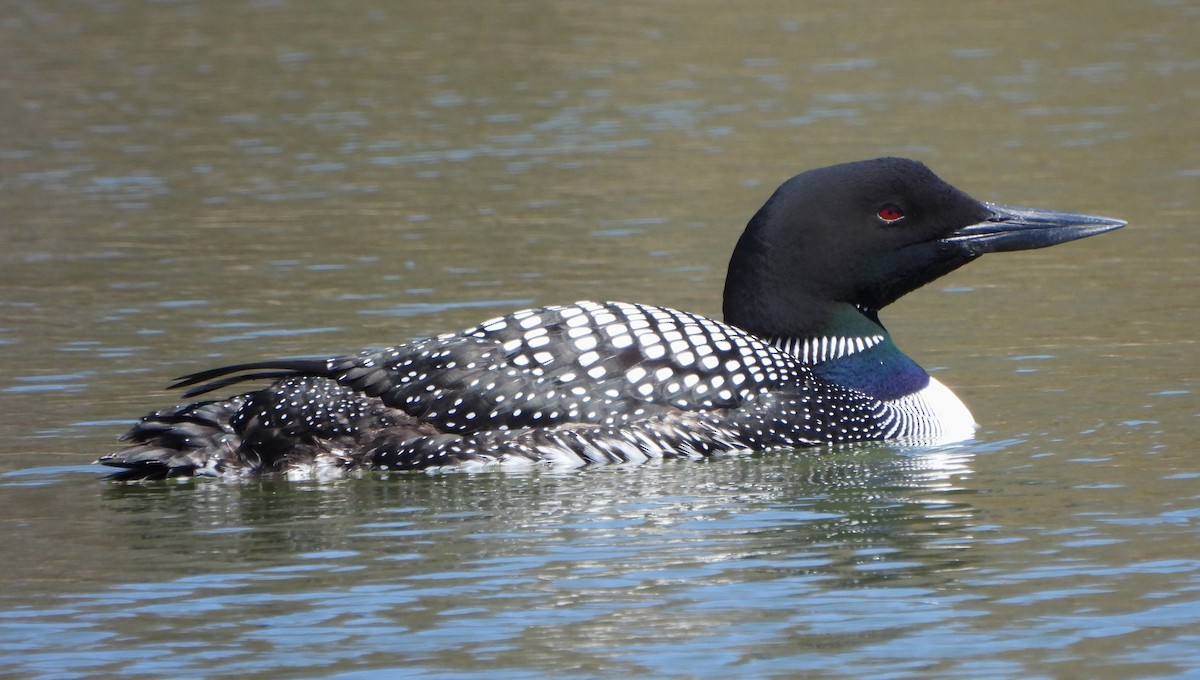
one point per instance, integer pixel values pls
(881, 371)
(857, 352)
(844, 343)
(769, 308)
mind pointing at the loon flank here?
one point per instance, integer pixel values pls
(801, 358)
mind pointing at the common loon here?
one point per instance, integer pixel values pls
(801, 358)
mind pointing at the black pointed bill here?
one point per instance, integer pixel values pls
(1011, 228)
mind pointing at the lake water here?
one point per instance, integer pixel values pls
(188, 184)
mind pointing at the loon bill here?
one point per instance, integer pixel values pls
(801, 358)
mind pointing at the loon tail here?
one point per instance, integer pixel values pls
(182, 440)
(300, 422)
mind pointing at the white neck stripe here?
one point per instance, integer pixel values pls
(816, 350)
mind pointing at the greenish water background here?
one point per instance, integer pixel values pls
(185, 184)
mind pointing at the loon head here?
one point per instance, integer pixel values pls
(833, 246)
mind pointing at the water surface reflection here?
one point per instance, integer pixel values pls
(471, 570)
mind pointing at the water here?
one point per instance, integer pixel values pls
(187, 184)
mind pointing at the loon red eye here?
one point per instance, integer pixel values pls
(890, 213)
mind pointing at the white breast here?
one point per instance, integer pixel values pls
(932, 416)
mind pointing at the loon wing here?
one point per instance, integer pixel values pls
(583, 363)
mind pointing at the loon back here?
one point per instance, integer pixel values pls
(801, 359)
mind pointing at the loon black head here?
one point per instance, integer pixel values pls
(833, 246)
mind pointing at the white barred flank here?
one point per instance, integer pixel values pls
(932, 416)
(817, 350)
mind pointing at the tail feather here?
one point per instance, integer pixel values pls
(183, 440)
(217, 378)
